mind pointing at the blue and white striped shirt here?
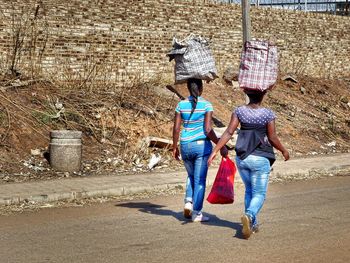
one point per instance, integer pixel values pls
(193, 129)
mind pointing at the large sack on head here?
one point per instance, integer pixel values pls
(193, 59)
(259, 65)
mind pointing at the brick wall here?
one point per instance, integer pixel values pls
(130, 38)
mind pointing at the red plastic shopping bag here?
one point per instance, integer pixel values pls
(222, 189)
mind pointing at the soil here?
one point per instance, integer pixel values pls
(312, 118)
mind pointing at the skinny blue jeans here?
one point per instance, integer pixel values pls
(195, 157)
(255, 173)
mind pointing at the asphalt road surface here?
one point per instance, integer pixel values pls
(306, 221)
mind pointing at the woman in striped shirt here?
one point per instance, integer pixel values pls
(195, 115)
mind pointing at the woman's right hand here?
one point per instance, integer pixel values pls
(224, 151)
(176, 153)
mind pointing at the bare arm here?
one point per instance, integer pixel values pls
(209, 132)
(226, 136)
(275, 142)
(176, 135)
(208, 129)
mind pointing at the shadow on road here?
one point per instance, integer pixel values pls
(160, 210)
(150, 208)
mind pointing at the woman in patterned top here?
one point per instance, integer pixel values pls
(255, 155)
(195, 115)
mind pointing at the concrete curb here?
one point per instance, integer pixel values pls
(76, 195)
(81, 188)
(311, 174)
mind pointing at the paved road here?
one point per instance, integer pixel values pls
(305, 221)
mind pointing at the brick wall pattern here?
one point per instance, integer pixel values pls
(131, 38)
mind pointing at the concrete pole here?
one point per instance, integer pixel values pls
(305, 5)
(246, 26)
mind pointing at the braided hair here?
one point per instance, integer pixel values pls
(195, 87)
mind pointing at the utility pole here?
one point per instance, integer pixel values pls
(246, 25)
(305, 5)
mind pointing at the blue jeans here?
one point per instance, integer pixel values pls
(255, 172)
(195, 157)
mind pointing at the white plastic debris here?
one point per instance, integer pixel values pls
(46, 206)
(58, 105)
(35, 152)
(332, 144)
(34, 167)
(155, 159)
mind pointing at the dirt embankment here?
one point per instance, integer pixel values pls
(312, 118)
